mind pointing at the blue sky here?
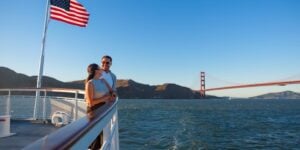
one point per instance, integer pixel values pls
(161, 41)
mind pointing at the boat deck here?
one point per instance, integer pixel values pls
(26, 132)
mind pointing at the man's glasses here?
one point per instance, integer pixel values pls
(106, 62)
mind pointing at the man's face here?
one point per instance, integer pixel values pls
(105, 64)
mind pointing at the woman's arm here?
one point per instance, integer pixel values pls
(89, 93)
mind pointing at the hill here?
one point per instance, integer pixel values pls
(280, 95)
(127, 89)
(12, 79)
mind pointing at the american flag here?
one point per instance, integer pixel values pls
(69, 11)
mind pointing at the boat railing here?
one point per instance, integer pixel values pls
(81, 132)
(25, 104)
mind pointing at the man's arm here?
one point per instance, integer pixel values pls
(114, 86)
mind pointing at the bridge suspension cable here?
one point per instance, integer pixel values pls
(226, 82)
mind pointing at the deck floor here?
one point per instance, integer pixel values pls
(26, 133)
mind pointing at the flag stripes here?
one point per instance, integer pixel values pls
(69, 11)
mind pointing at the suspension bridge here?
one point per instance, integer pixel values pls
(203, 90)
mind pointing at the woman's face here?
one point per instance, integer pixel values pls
(98, 72)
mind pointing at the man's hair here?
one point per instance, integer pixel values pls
(108, 57)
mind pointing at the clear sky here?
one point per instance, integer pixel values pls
(161, 41)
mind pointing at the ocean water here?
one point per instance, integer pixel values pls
(209, 124)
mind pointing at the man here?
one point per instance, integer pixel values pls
(106, 62)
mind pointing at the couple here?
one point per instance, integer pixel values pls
(100, 86)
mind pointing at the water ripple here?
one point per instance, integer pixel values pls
(209, 124)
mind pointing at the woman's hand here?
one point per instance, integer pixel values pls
(114, 94)
(112, 97)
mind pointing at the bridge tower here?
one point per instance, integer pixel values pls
(202, 84)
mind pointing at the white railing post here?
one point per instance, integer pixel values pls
(76, 106)
(107, 134)
(37, 97)
(8, 103)
(111, 133)
(44, 105)
(116, 130)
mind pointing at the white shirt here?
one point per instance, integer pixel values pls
(107, 76)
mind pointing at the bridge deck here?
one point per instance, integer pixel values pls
(280, 83)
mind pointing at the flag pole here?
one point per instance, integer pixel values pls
(41, 66)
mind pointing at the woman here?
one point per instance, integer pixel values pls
(96, 95)
(96, 91)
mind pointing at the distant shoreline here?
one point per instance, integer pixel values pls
(127, 89)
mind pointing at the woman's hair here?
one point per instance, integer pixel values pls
(91, 69)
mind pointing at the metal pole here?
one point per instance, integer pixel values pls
(41, 67)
